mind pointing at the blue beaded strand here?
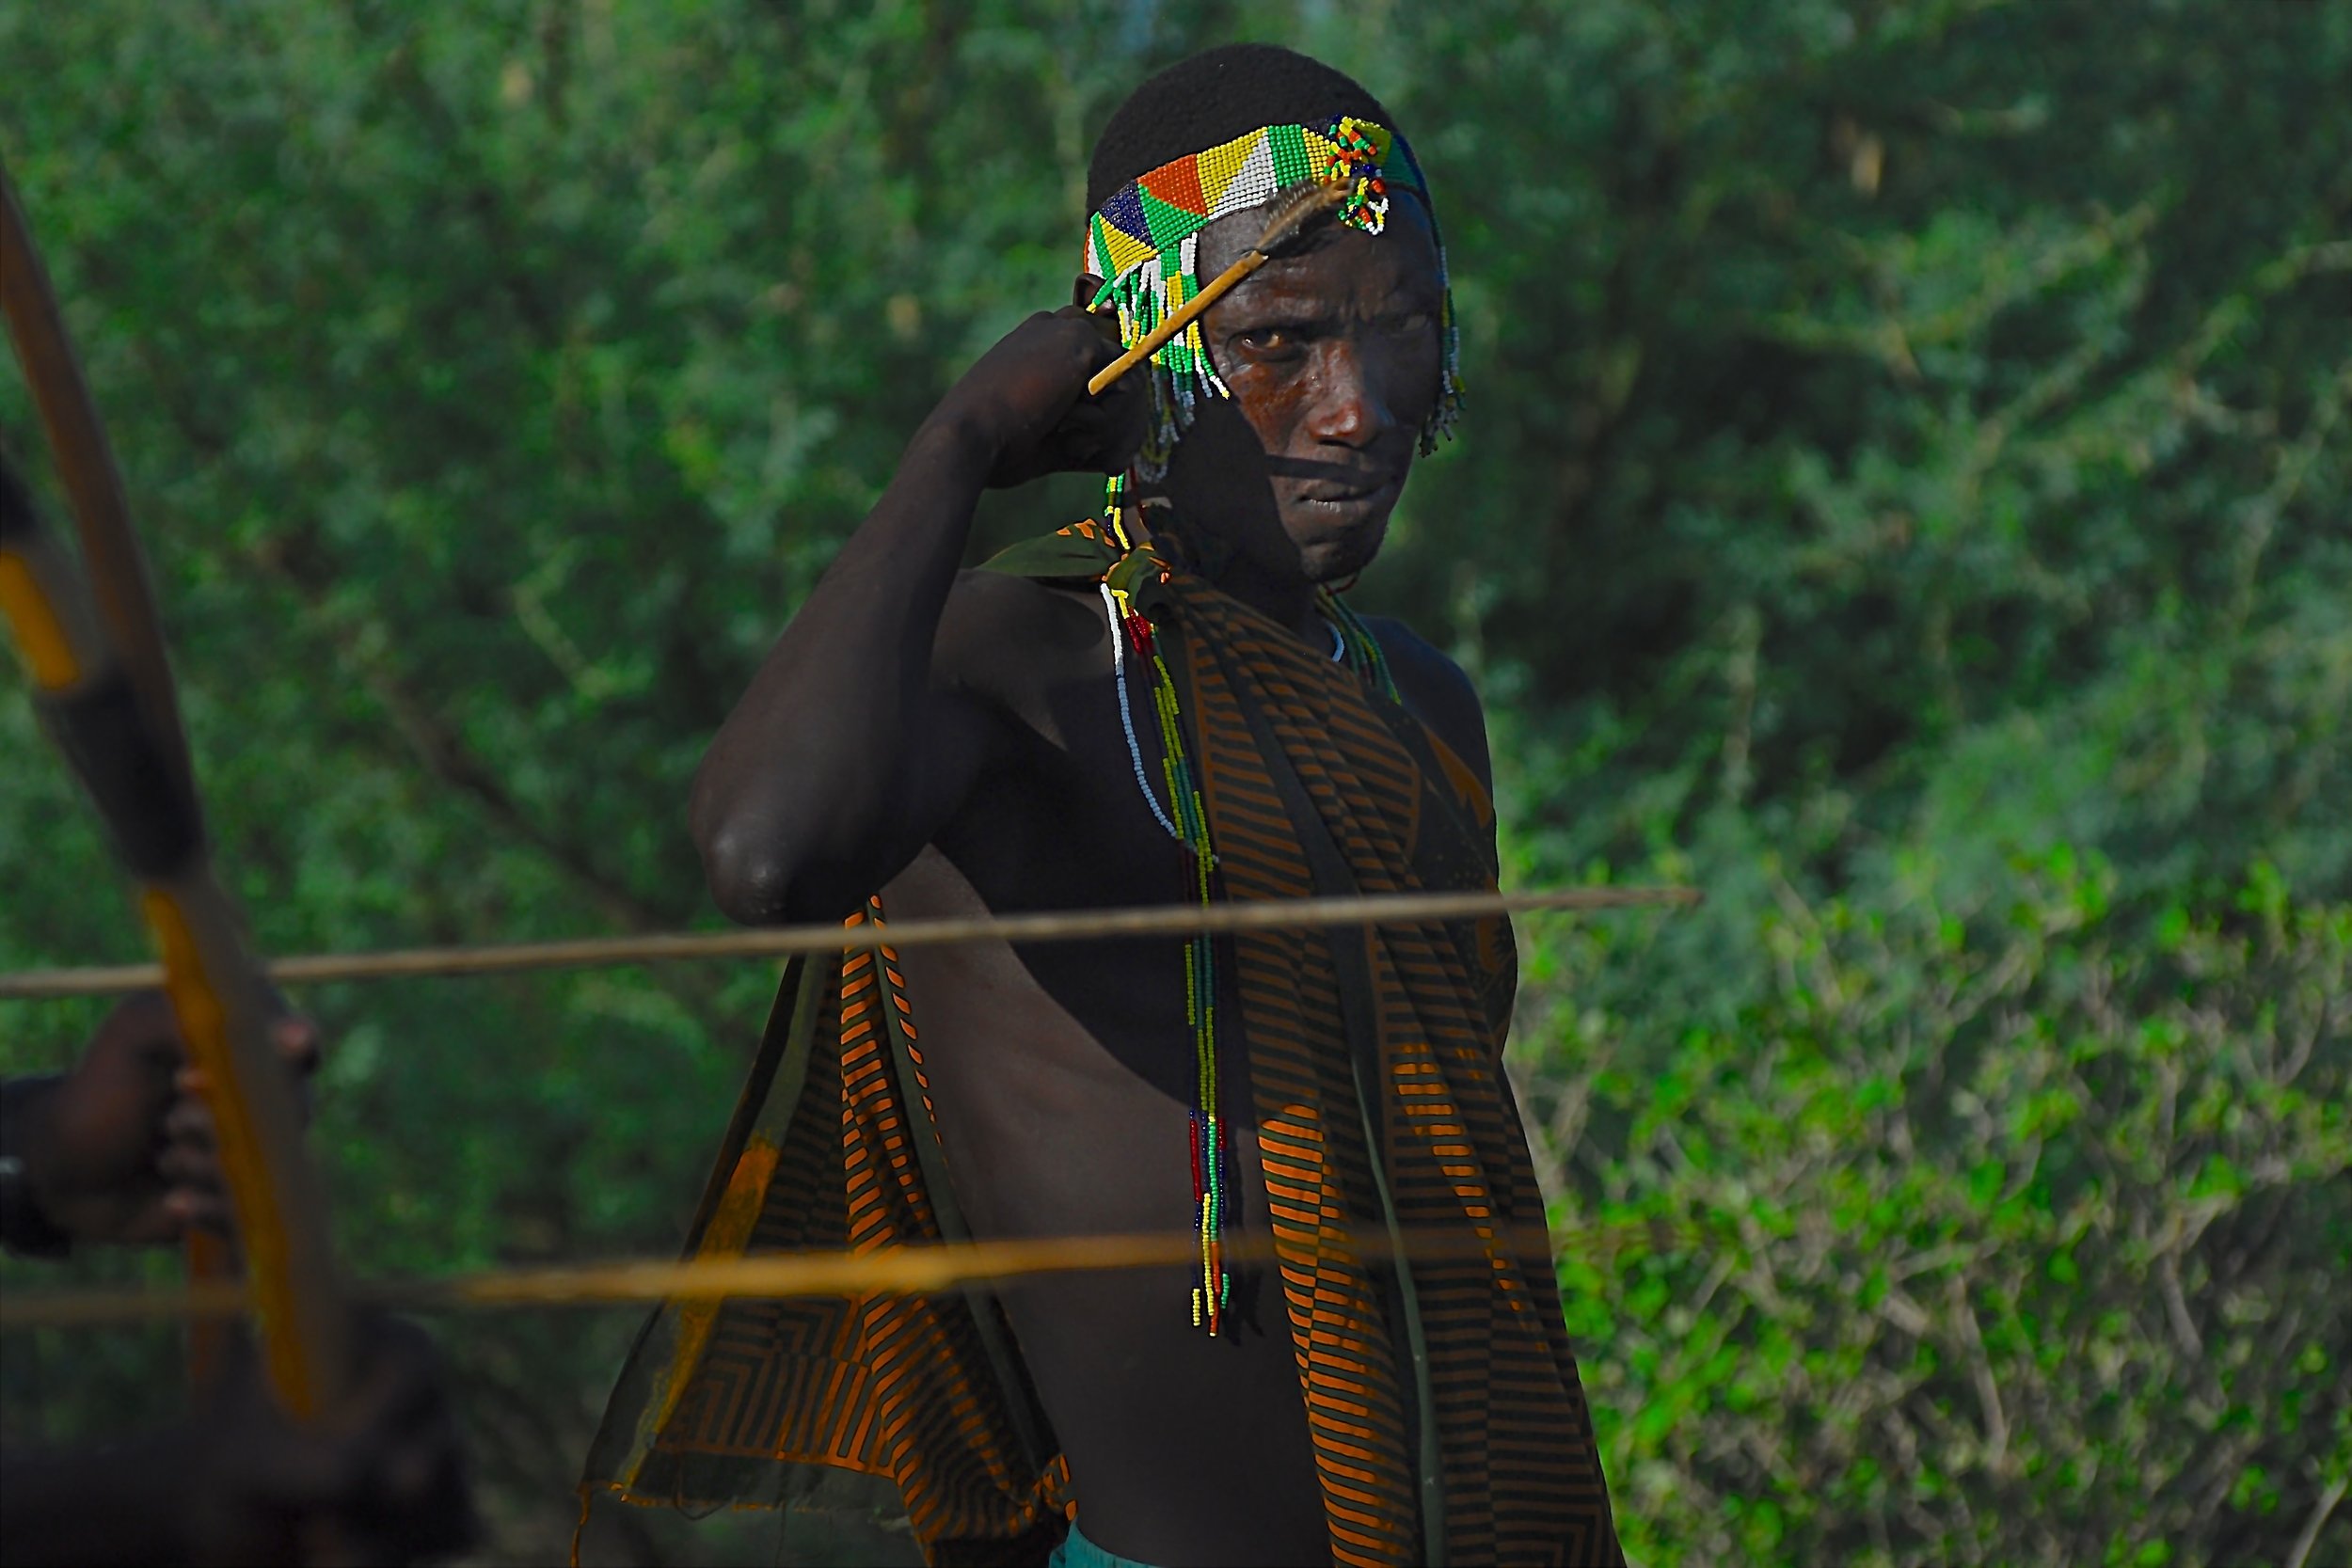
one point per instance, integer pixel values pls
(1126, 715)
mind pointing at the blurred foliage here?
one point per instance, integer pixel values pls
(2027, 1248)
(1903, 492)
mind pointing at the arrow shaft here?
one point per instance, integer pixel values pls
(892, 1271)
(1176, 320)
(792, 941)
(1288, 217)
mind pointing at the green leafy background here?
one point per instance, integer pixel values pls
(1903, 493)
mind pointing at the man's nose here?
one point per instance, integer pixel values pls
(1349, 409)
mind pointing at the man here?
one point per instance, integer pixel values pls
(1167, 704)
(118, 1150)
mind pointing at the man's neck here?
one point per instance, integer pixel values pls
(1287, 600)
(1288, 603)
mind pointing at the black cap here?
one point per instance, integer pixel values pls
(1211, 98)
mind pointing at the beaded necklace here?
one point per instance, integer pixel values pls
(1144, 245)
(1186, 821)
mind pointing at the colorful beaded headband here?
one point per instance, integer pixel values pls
(1129, 244)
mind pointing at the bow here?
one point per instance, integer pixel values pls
(103, 683)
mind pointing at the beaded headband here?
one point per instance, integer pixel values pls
(1157, 218)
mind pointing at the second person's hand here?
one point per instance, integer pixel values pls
(121, 1150)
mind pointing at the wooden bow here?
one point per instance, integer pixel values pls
(103, 682)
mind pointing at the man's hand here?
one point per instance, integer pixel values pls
(381, 1480)
(1023, 404)
(121, 1150)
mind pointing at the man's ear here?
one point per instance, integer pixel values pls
(1082, 292)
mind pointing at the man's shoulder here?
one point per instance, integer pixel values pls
(1414, 659)
(1438, 690)
(1000, 633)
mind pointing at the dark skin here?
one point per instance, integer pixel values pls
(121, 1151)
(953, 739)
(239, 1484)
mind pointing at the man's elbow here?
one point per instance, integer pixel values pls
(756, 880)
(744, 865)
(749, 873)
(747, 888)
(776, 860)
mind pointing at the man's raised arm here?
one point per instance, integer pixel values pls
(846, 755)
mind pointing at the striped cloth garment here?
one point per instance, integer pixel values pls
(915, 1412)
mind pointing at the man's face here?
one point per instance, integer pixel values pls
(1333, 356)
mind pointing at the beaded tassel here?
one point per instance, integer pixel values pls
(1115, 510)
(1363, 649)
(1186, 821)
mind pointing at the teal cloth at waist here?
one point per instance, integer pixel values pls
(1076, 1551)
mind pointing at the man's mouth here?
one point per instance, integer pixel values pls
(1345, 500)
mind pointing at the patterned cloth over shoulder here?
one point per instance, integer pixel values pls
(1374, 1066)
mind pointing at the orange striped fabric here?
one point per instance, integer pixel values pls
(1374, 1064)
(833, 1149)
(1313, 785)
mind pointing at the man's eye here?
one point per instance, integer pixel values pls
(1270, 340)
(1419, 320)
